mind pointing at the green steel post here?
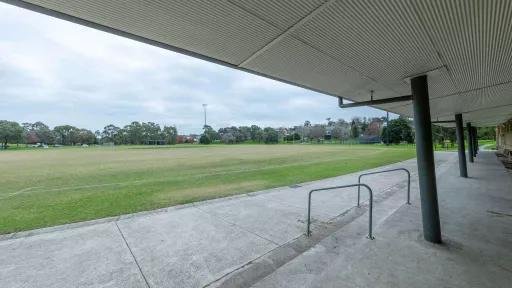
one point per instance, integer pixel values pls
(470, 142)
(475, 140)
(460, 141)
(425, 158)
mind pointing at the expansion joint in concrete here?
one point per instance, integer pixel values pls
(133, 255)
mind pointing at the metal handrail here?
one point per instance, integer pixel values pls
(370, 236)
(384, 171)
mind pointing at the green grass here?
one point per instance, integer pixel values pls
(489, 144)
(46, 187)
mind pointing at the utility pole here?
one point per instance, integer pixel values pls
(204, 108)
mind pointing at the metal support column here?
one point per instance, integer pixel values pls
(475, 141)
(470, 142)
(459, 128)
(425, 158)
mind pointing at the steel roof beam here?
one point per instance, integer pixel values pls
(374, 101)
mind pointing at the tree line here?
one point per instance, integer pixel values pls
(333, 130)
(151, 133)
(38, 132)
(138, 133)
(362, 129)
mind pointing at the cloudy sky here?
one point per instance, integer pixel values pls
(62, 73)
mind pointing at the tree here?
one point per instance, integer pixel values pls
(441, 134)
(43, 132)
(150, 131)
(488, 133)
(231, 135)
(399, 131)
(281, 133)
(245, 133)
(337, 132)
(10, 132)
(227, 138)
(38, 132)
(354, 129)
(97, 135)
(256, 133)
(204, 139)
(293, 137)
(66, 134)
(210, 133)
(170, 134)
(318, 132)
(270, 135)
(364, 125)
(86, 137)
(121, 137)
(109, 133)
(134, 133)
(306, 130)
(31, 137)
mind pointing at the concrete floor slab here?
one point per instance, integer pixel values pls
(477, 248)
(94, 256)
(272, 220)
(188, 247)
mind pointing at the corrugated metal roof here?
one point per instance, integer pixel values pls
(340, 47)
(282, 13)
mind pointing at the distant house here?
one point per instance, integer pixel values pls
(180, 139)
(374, 127)
(192, 138)
(372, 133)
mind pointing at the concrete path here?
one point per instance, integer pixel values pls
(489, 147)
(207, 243)
(476, 219)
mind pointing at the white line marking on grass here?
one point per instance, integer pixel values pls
(23, 190)
(28, 190)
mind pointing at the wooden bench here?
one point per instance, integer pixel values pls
(506, 158)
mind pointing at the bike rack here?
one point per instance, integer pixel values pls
(370, 236)
(384, 171)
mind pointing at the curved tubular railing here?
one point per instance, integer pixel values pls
(384, 171)
(370, 236)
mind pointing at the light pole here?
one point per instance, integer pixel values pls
(204, 108)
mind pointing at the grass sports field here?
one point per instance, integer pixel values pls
(46, 187)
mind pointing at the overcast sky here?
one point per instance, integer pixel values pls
(62, 73)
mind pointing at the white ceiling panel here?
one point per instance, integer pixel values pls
(473, 38)
(282, 13)
(381, 39)
(491, 116)
(309, 67)
(217, 29)
(480, 99)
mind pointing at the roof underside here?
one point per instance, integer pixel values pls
(338, 47)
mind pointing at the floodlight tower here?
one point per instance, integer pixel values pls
(204, 108)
